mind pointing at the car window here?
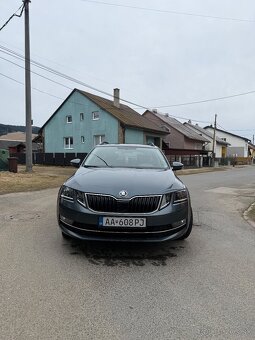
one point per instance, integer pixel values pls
(126, 157)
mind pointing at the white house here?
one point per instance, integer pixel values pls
(221, 146)
(238, 145)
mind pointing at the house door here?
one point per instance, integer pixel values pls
(223, 152)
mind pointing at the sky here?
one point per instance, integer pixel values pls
(161, 54)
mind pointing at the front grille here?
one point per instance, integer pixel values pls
(135, 205)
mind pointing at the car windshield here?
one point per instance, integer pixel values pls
(126, 157)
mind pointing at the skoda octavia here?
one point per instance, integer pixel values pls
(124, 192)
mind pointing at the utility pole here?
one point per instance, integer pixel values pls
(214, 139)
(253, 139)
(28, 90)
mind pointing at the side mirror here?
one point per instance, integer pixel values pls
(75, 162)
(177, 166)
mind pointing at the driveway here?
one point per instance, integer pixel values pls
(201, 288)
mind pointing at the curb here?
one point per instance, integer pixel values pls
(246, 213)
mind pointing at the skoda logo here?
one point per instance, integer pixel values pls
(123, 193)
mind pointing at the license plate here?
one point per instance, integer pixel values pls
(124, 222)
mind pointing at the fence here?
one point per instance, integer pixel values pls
(190, 161)
(58, 159)
(244, 160)
(224, 161)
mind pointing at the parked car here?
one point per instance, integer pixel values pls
(125, 192)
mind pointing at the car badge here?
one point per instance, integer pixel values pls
(123, 193)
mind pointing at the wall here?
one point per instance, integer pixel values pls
(232, 150)
(133, 136)
(57, 128)
(238, 145)
(218, 150)
(209, 146)
(193, 145)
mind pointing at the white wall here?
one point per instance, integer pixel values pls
(238, 145)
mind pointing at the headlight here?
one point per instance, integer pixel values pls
(70, 194)
(67, 193)
(165, 201)
(180, 196)
(80, 197)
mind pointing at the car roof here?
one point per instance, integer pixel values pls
(126, 145)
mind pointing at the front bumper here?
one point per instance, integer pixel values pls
(81, 223)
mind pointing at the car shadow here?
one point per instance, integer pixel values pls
(125, 254)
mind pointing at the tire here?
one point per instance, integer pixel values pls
(184, 236)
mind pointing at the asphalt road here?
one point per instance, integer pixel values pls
(201, 288)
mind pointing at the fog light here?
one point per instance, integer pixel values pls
(179, 223)
(66, 220)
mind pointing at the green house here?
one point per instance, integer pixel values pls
(84, 120)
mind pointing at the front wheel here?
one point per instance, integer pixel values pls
(184, 236)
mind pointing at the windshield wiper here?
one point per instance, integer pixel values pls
(103, 161)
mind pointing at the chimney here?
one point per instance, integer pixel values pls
(116, 97)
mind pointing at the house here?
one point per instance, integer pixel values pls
(221, 145)
(84, 120)
(180, 140)
(238, 145)
(15, 142)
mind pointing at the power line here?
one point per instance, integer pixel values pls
(51, 80)
(38, 90)
(38, 74)
(34, 88)
(61, 84)
(187, 119)
(172, 12)
(48, 69)
(222, 127)
(20, 57)
(14, 54)
(243, 130)
(74, 102)
(228, 131)
(60, 74)
(208, 100)
(41, 66)
(14, 15)
(59, 64)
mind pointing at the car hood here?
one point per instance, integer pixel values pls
(135, 181)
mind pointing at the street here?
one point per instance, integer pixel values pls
(200, 288)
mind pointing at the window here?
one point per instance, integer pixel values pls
(69, 119)
(95, 115)
(68, 142)
(225, 139)
(81, 116)
(82, 139)
(98, 139)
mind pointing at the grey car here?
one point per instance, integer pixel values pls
(125, 192)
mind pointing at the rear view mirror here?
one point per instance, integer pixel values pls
(75, 162)
(177, 166)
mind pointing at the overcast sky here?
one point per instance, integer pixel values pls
(156, 58)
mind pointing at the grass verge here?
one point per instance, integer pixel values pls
(198, 171)
(42, 177)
